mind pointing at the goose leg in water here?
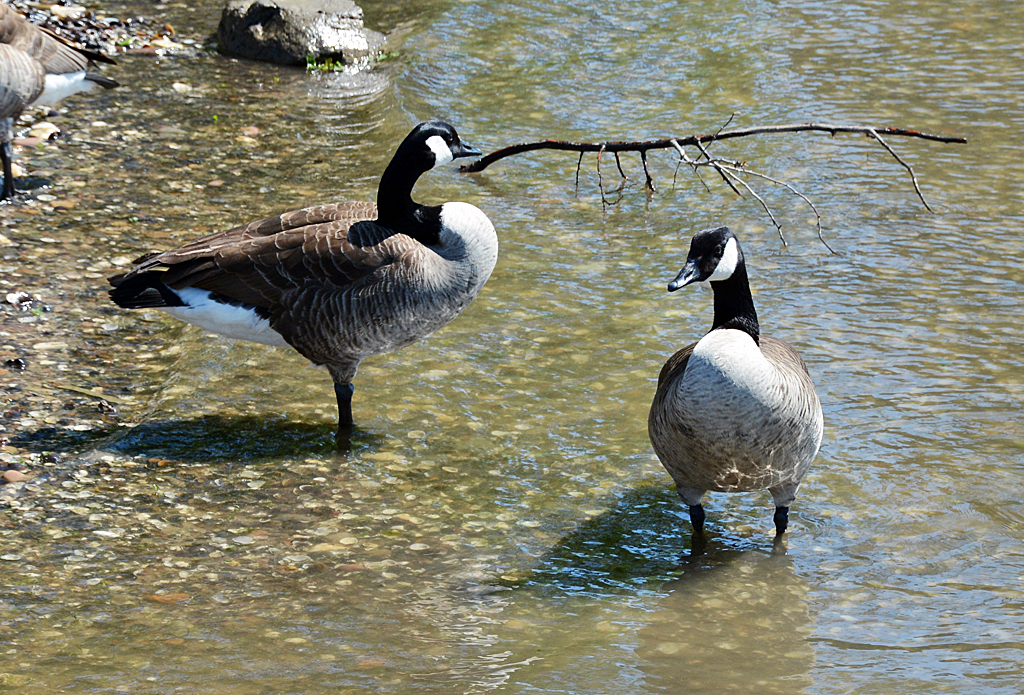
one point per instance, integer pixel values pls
(781, 520)
(344, 393)
(697, 518)
(6, 154)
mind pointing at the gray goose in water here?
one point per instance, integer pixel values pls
(736, 411)
(36, 68)
(337, 282)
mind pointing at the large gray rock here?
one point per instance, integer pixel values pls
(287, 31)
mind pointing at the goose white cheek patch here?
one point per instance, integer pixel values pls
(442, 153)
(727, 266)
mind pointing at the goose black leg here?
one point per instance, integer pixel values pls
(6, 154)
(344, 394)
(781, 520)
(343, 439)
(697, 518)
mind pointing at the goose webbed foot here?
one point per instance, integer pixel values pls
(781, 520)
(697, 518)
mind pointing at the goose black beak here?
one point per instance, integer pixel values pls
(464, 150)
(689, 273)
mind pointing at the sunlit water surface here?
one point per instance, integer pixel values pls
(501, 523)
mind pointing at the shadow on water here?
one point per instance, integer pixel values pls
(236, 438)
(645, 539)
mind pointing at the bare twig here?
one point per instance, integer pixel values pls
(794, 191)
(683, 157)
(725, 125)
(647, 172)
(714, 165)
(728, 171)
(619, 165)
(913, 176)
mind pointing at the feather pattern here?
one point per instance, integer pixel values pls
(21, 81)
(730, 416)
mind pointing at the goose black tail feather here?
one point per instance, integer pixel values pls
(102, 81)
(142, 291)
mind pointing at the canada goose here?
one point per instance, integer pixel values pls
(337, 282)
(736, 411)
(36, 68)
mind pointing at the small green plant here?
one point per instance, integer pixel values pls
(327, 65)
(333, 65)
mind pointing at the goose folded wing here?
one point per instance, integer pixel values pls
(676, 365)
(21, 81)
(64, 53)
(257, 263)
(783, 356)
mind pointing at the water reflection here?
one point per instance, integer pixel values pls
(734, 621)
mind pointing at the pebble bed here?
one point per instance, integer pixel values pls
(100, 32)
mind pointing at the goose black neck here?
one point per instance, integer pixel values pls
(394, 194)
(734, 307)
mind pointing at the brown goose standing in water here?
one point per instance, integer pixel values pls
(736, 411)
(337, 282)
(36, 68)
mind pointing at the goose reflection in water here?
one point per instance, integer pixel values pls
(735, 621)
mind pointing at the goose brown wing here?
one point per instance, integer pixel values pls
(258, 262)
(55, 53)
(783, 356)
(676, 365)
(90, 56)
(21, 81)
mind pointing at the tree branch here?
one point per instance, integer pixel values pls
(692, 140)
(729, 170)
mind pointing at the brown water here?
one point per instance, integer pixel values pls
(501, 523)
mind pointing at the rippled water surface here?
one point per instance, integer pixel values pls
(501, 523)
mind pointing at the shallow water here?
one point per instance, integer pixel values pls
(501, 523)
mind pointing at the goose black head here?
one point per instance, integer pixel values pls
(715, 255)
(431, 144)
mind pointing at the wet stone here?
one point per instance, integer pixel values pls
(291, 31)
(13, 476)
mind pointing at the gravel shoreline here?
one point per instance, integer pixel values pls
(42, 416)
(98, 31)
